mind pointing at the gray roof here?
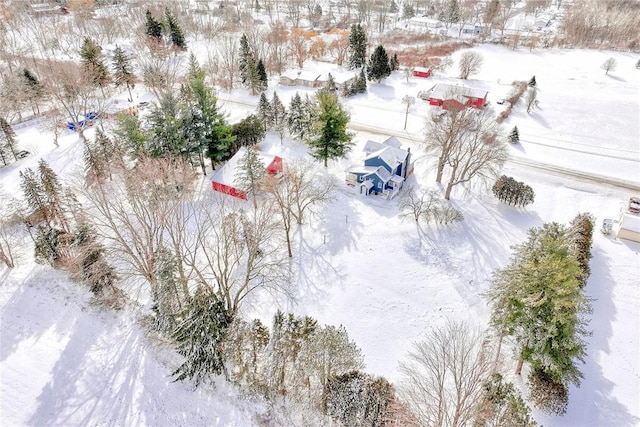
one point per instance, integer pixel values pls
(444, 91)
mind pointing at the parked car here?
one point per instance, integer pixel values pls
(634, 205)
(22, 154)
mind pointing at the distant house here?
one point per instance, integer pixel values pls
(341, 78)
(301, 78)
(422, 72)
(472, 29)
(450, 96)
(224, 180)
(386, 167)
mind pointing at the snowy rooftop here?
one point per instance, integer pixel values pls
(444, 91)
(630, 222)
(305, 75)
(421, 69)
(387, 154)
(227, 174)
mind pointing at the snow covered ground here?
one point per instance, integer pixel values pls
(66, 362)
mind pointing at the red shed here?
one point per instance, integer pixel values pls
(422, 72)
(449, 95)
(223, 180)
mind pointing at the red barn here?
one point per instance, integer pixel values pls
(422, 72)
(223, 180)
(449, 96)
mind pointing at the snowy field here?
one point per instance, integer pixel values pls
(66, 362)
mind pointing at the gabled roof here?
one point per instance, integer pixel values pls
(630, 222)
(364, 170)
(227, 174)
(422, 69)
(305, 75)
(382, 173)
(393, 142)
(387, 154)
(444, 91)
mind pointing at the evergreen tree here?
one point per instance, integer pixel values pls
(167, 130)
(204, 126)
(245, 56)
(253, 79)
(502, 405)
(54, 193)
(278, 112)
(153, 27)
(330, 139)
(93, 63)
(582, 233)
(130, 138)
(357, 47)
(265, 111)
(123, 71)
(394, 64)
(393, 7)
(47, 243)
(95, 271)
(361, 82)
(295, 116)
(99, 155)
(250, 173)
(175, 31)
(167, 307)
(262, 76)
(35, 90)
(537, 301)
(248, 131)
(35, 197)
(408, 11)
(8, 139)
(532, 82)
(451, 13)
(331, 83)
(378, 67)
(200, 337)
(508, 190)
(514, 136)
(356, 398)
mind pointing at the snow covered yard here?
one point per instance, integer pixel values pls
(64, 361)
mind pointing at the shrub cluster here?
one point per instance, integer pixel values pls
(508, 190)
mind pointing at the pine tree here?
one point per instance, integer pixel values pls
(330, 139)
(361, 82)
(582, 233)
(55, 195)
(99, 155)
(502, 405)
(245, 56)
(393, 7)
(200, 336)
(253, 80)
(93, 63)
(295, 116)
(331, 83)
(123, 71)
(153, 27)
(394, 65)
(95, 271)
(35, 90)
(278, 112)
(514, 136)
(248, 131)
(378, 67)
(175, 31)
(35, 197)
(265, 112)
(532, 82)
(250, 173)
(537, 301)
(8, 139)
(357, 47)
(130, 138)
(262, 76)
(167, 130)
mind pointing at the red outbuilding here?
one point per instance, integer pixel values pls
(450, 96)
(421, 72)
(224, 180)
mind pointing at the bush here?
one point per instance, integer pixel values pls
(516, 92)
(582, 229)
(508, 190)
(546, 394)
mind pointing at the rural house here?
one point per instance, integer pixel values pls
(629, 227)
(301, 78)
(224, 180)
(386, 167)
(421, 72)
(450, 96)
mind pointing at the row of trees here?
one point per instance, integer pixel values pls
(538, 301)
(508, 190)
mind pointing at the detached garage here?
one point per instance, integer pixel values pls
(223, 180)
(422, 72)
(629, 227)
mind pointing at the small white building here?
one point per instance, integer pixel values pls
(301, 78)
(629, 227)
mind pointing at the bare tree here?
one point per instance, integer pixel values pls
(413, 205)
(444, 376)
(609, 65)
(532, 98)
(11, 233)
(409, 101)
(228, 61)
(470, 63)
(298, 190)
(468, 142)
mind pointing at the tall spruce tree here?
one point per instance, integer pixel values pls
(200, 336)
(93, 63)
(35, 89)
(153, 27)
(279, 115)
(378, 67)
(123, 71)
(245, 56)
(262, 76)
(514, 136)
(532, 82)
(537, 300)
(330, 139)
(357, 47)
(175, 30)
(265, 112)
(167, 129)
(8, 141)
(250, 174)
(295, 116)
(248, 131)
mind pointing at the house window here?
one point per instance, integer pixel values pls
(380, 185)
